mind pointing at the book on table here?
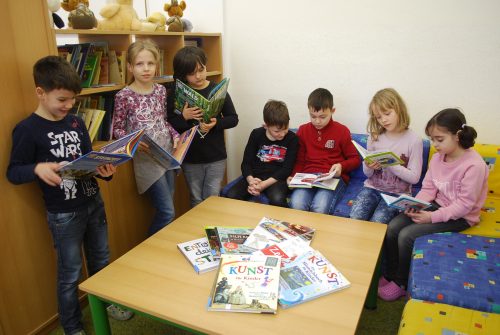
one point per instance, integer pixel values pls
(288, 250)
(271, 231)
(308, 277)
(384, 157)
(232, 240)
(210, 106)
(309, 180)
(404, 202)
(199, 255)
(123, 149)
(246, 283)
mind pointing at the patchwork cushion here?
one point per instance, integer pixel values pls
(428, 318)
(457, 269)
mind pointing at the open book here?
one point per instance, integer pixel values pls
(308, 180)
(384, 158)
(210, 106)
(405, 201)
(123, 149)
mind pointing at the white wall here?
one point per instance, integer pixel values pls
(437, 54)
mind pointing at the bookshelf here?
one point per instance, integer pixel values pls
(28, 276)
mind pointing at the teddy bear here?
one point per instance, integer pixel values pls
(175, 10)
(155, 22)
(119, 15)
(80, 16)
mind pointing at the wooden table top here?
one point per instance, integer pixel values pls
(156, 279)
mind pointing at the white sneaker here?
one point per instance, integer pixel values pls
(119, 313)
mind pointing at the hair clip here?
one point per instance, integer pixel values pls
(464, 125)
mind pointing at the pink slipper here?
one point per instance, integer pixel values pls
(391, 292)
(382, 282)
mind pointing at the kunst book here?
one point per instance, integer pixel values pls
(308, 277)
(271, 231)
(246, 283)
(199, 255)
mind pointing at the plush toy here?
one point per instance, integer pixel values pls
(175, 10)
(155, 22)
(120, 15)
(55, 19)
(80, 16)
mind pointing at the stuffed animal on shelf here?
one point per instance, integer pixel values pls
(155, 22)
(119, 15)
(55, 19)
(80, 16)
(175, 11)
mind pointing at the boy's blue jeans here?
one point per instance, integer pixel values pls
(88, 225)
(162, 196)
(370, 206)
(317, 199)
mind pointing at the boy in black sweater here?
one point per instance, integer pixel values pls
(41, 144)
(269, 158)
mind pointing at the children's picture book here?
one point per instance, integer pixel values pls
(246, 283)
(213, 240)
(384, 158)
(231, 240)
(123, 149)
(309, 180)
(404, 202)
(211, 106)
(271, 231)
(308, 277)
(288, 250)
(199, 255)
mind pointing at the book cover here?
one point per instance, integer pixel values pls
(384, 158)
(404, 202)
(309, 180)
(114, 68)
(95, 123)
(213, 240)
(199, 255)
(231, 240)
(271, 231)
(288, 250)
(211, 106)
(246, 283)
(89, 69)
(308, 277)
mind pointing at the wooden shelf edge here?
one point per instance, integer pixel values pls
(127, 32)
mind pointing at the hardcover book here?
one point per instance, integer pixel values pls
(308, 277)
(309, 180)
(213, 240)
(271, 231)
(384, 158)
(404, 202)
(210, 106)
(199, 255)
(123, 149)
(231, 240)
(288, 250)
(246, 283)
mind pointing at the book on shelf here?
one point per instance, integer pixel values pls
(246, 283)
(199, 255)
(210, 106)
(123, 149)
(288, 250)
(308, 277)
(95, 123)
(309, 180)
(384, 157)
(271, 231)
(232, 240)
(404, 202)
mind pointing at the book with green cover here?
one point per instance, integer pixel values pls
(210, 106)
(384, 158)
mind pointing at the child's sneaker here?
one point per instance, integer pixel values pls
(391, 292)
(119, 313)
(80, 332)
(382, 282)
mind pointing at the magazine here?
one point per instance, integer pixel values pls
(210, 106)
(308, 180)
(288, 250)
(246, 283)
(405, 201)
(199, 255)
(123, 149)
(231, 240)
(270, 231)
(384, 158)
(308, 277)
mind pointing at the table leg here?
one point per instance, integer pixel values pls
(99, 315)
(371, 298)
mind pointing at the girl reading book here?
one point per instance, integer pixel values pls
(388, 129)
(456, 184)
(142, 105)
(205, 163)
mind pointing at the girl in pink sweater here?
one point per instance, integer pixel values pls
(455, 183)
